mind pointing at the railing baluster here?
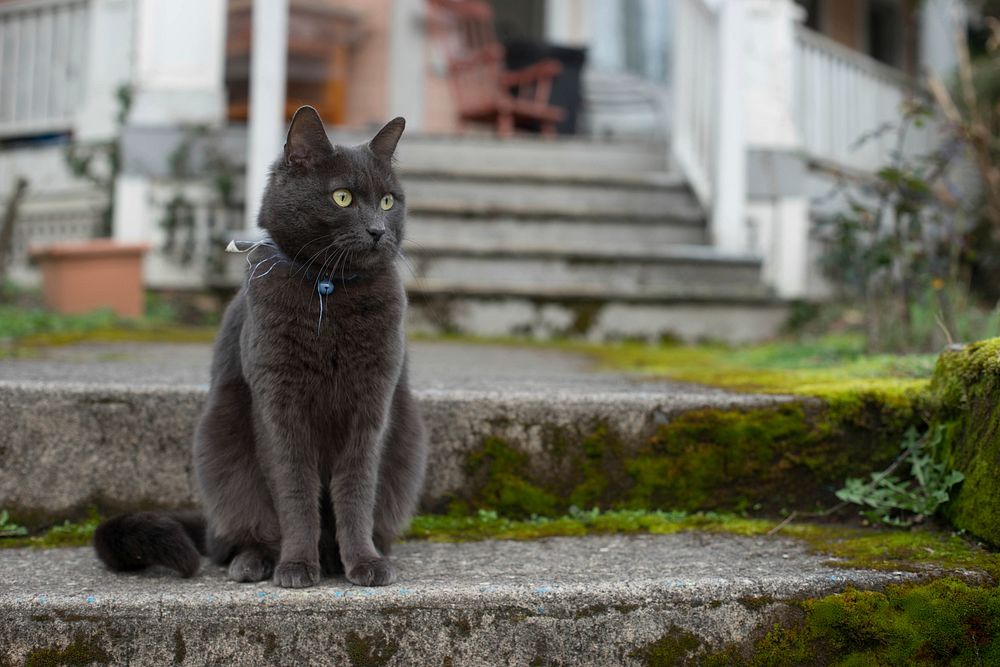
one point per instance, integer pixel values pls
(41, 52)
(843, 95)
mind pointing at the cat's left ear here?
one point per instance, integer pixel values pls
(307, 141)
(384, 143)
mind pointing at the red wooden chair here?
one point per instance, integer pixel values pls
(483, 89)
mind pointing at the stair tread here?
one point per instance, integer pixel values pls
(550, 176)
(750, 294)
(590, 600)
(673, 253)
(456, 206)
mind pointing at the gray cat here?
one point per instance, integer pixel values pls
(310, 452)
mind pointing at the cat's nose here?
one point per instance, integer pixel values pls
(376, 233)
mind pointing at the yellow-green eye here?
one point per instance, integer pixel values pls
(342, 197)
(387, 202)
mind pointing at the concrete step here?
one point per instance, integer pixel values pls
(107, 422)
(531, 193)
(686, 313)
(146, 150)
(485, 153)
(562, 601)
(438, 227)
(675, 270)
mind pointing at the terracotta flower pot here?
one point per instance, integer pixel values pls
(85, 276)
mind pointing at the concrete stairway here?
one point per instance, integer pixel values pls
(581, 237)
(112, 424)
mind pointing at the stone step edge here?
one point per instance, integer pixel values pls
(421, 289)
(651, 180)
(673, 254)
(477, 620)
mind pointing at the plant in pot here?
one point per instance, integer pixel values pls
(81, 276)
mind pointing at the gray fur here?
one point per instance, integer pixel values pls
(310, 453)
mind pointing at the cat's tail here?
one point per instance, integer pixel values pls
(136, 540)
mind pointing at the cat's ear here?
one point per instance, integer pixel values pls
(307, 140)
(384, 143)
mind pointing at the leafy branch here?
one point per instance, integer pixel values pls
(896, 501)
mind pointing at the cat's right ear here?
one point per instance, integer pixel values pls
(307, 141)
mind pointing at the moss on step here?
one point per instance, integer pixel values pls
(965, 397)
(833, 368)
(934, 623)
(65, 534)
(790, 455)
(82, 650)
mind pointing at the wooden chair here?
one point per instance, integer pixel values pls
(483, 89)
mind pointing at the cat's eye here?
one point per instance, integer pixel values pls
(342, 197)
(387, 202)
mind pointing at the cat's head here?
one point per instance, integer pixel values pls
(338, 206)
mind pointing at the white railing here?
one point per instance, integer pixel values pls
(40, 223)
(707, 129)
(42, 51)
(842, 96)
(695, 82)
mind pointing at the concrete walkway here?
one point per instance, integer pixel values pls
(432, 365)
(568, 601)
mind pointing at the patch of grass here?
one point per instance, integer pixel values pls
(65, 534)
(9, 528)
(17, 322)
(24, 332)
(489, 525)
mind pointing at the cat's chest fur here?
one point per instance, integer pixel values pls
(336, 361)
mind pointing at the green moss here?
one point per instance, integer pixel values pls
(66, 534)
(965, 397)
(180, 647)
(673, 648)
(920, 550)
(365, 651)
(80, 651)
(940, 622)
(497, 472)
(489, 525)
(784, 456)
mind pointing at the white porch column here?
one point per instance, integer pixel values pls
(406, 62)
(179, 63)
(728, 226)
(268, 61)
(777, 204)
(938, 21)
(107, 67)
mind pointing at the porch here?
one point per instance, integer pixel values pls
(699, 229)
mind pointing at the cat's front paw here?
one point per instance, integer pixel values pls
(375, 572)
(296, 575)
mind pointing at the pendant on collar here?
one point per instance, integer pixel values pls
(325, 287)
